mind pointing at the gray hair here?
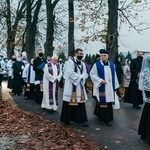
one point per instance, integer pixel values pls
(54, 56)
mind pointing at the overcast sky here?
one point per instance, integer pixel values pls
(131, 39)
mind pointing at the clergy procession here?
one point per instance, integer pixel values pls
(41, 79)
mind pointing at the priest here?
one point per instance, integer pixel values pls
(105, 82)
(51, 78)
(38, 65)
(74, 95)
(29, 79)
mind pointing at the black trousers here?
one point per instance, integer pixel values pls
(1, 78)
(38, 94)
(29, 94)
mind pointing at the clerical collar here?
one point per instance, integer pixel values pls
(41, 58)
(105, 63)
(78, 62)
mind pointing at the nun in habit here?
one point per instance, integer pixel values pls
(144, 86)
(29, 77)
(105, 83)
(51, 78)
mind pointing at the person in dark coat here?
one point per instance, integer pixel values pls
(119, 72)
(38, 65)
(134, 95)
(17, 68)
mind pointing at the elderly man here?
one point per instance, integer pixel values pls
(52, 75)
(105, 82)
(74, 95)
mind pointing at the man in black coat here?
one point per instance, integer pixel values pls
(119, 72)
(17, 68)
(134, 95)
(38, 65)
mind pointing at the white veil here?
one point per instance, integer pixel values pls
(144, 80)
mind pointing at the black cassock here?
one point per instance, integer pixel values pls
(144, 126)
(38, 77)
(134, 95)
(17, 74)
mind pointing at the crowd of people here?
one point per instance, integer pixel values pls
(41, 79)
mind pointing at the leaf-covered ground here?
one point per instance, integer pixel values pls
(21, 130)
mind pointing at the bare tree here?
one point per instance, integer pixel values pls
(12, 27)
(112, 30)
(50, 6)
(33, 8)
(107, 14)
(71, 47)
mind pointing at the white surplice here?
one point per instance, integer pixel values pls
(9, 66)
(71, 77)
(109, 92)
(46, 78)
(25, 74)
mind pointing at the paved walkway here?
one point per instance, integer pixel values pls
(122, 135)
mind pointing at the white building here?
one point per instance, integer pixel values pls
(134, 53)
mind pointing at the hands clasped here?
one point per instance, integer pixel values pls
(103, 82)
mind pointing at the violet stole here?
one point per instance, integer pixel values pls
(28, 79)
(50, 70)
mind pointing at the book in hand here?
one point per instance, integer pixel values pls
(41, 66)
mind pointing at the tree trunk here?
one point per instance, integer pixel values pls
(31, 28)
(49, 33)
(10, 43)
(12, 29)
(112, 33)
(50, 27)
(71, 47)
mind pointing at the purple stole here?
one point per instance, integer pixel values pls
(50, 70)
(28, 79)
(41, 86)
(101, 74)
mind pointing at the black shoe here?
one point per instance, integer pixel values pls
(51, 110)
(137, 107)
(108, 124)
(83, 124)
(142, 138)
